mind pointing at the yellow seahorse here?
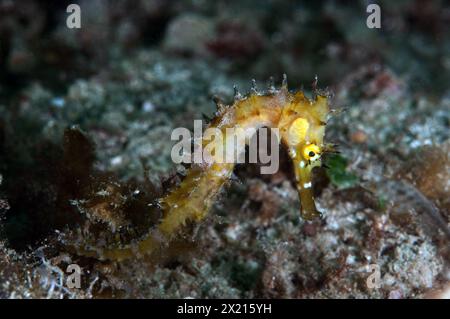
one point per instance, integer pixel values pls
(301, 123)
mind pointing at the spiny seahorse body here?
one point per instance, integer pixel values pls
(301, 123)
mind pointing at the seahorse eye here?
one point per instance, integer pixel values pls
(311, 152)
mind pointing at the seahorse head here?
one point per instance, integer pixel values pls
(302, 127)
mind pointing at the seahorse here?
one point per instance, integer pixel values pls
(301, 124)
